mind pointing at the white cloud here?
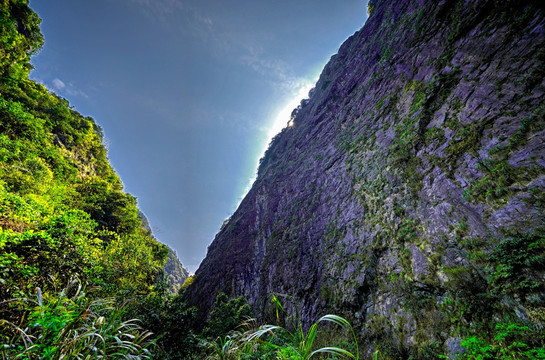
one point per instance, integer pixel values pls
(58, 84)
(276, 70)
(75, 92)
(61, 88)
(225, 38)
(202, 18)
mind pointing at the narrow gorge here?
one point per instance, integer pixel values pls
(405, 199)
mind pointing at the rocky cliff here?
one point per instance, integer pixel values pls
(408, 192)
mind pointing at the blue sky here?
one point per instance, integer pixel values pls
(188, 92)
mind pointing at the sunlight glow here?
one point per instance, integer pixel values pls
(280, 122)
(283, 116)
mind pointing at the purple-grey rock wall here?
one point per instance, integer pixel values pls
(421, 147)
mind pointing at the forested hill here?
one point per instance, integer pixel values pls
(72, 246)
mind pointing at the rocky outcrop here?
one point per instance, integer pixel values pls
(175, 273)
(401, 187)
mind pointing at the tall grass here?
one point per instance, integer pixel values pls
(279, 342)
(300, 344)
(71, 326)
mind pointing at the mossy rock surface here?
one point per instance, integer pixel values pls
(419, 151)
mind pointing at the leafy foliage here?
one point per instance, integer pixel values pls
(187, 283)
(175, 273)
(482, 295)
(63, 215)
(72, 325)
(226, 315)
(510, 341)
(277, 342)
(169, 317)
(20, 36)
(512, 261)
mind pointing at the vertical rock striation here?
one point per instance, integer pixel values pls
(415, 166)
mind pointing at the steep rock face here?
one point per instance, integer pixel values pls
(419, 154)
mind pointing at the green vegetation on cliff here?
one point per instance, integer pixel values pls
(175, 272)
(72, 247)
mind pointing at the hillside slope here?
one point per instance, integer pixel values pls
(75, 259)
(57, 188)
(407, 194)
(175, 273)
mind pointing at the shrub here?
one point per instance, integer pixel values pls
(514, 263)
(70, 325)
(226, 315)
